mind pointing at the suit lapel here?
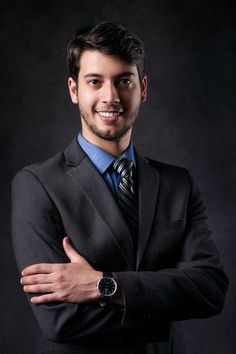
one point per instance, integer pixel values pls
(148, 178)
(99, 195)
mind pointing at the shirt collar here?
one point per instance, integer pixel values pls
(100, 157)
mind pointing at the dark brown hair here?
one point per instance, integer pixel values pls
(110, 39)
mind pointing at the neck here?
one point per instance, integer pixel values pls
(114, 147)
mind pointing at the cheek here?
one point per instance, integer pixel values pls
(132, 99)
(134, 103)
(86, 101)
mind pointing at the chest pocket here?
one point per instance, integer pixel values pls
(165, 245)
(171, 229)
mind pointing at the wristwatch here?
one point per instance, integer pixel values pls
(107, 285)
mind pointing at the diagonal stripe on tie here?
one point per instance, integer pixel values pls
(127, 200)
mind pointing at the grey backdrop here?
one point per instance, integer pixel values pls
(188, 120)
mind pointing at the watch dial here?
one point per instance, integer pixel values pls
(107, 286)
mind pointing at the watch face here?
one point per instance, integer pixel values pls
(107, 286)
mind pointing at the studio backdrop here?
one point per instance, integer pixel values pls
(187, 120)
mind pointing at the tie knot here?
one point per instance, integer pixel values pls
(123, 167)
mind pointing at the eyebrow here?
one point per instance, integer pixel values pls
(126, 73)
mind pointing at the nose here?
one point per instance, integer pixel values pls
(110, 93)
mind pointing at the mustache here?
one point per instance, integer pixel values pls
(116, 108)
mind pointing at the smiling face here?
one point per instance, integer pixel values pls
(108, 93)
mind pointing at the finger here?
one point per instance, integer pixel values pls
(44, 298)
(40, 268)
(38, 288)
(71, 253)
(36, 279)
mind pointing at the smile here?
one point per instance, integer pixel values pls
(109, 116)
(106, 114)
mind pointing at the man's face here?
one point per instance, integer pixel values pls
(108, 94)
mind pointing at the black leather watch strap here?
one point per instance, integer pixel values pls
(108, 275)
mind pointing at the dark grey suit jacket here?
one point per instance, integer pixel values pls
(176, 275)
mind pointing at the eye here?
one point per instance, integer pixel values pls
(125, 82)
(94, 82)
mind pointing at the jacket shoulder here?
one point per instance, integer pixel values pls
(41, 171)
(55, 162)
(58, 164)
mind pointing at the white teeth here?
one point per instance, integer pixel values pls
(109, 114)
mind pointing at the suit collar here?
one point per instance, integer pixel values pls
(74, 155)
(148, 181)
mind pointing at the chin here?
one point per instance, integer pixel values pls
(109, 135)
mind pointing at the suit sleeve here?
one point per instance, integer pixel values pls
(37, 233)
(195, 288)
(37, 238)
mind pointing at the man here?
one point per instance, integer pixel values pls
(112, 247)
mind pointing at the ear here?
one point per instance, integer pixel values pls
(73, 90)
(144, 89)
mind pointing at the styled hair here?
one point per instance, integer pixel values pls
(110, 39)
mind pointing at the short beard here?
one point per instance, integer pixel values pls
(107, 136)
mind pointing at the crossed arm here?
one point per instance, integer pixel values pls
(74, 282)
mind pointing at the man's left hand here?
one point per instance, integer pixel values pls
(66, 282)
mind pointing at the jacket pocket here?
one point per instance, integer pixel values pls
(170, 228)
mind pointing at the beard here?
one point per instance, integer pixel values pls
(106, 135)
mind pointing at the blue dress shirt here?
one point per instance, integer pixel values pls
(103, 160)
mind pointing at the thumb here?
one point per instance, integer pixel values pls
(70, 251)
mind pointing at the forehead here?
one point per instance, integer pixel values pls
(93, 61)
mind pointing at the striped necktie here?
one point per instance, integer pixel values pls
(127, 198)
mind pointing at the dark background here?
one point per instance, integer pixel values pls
(188, 120)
